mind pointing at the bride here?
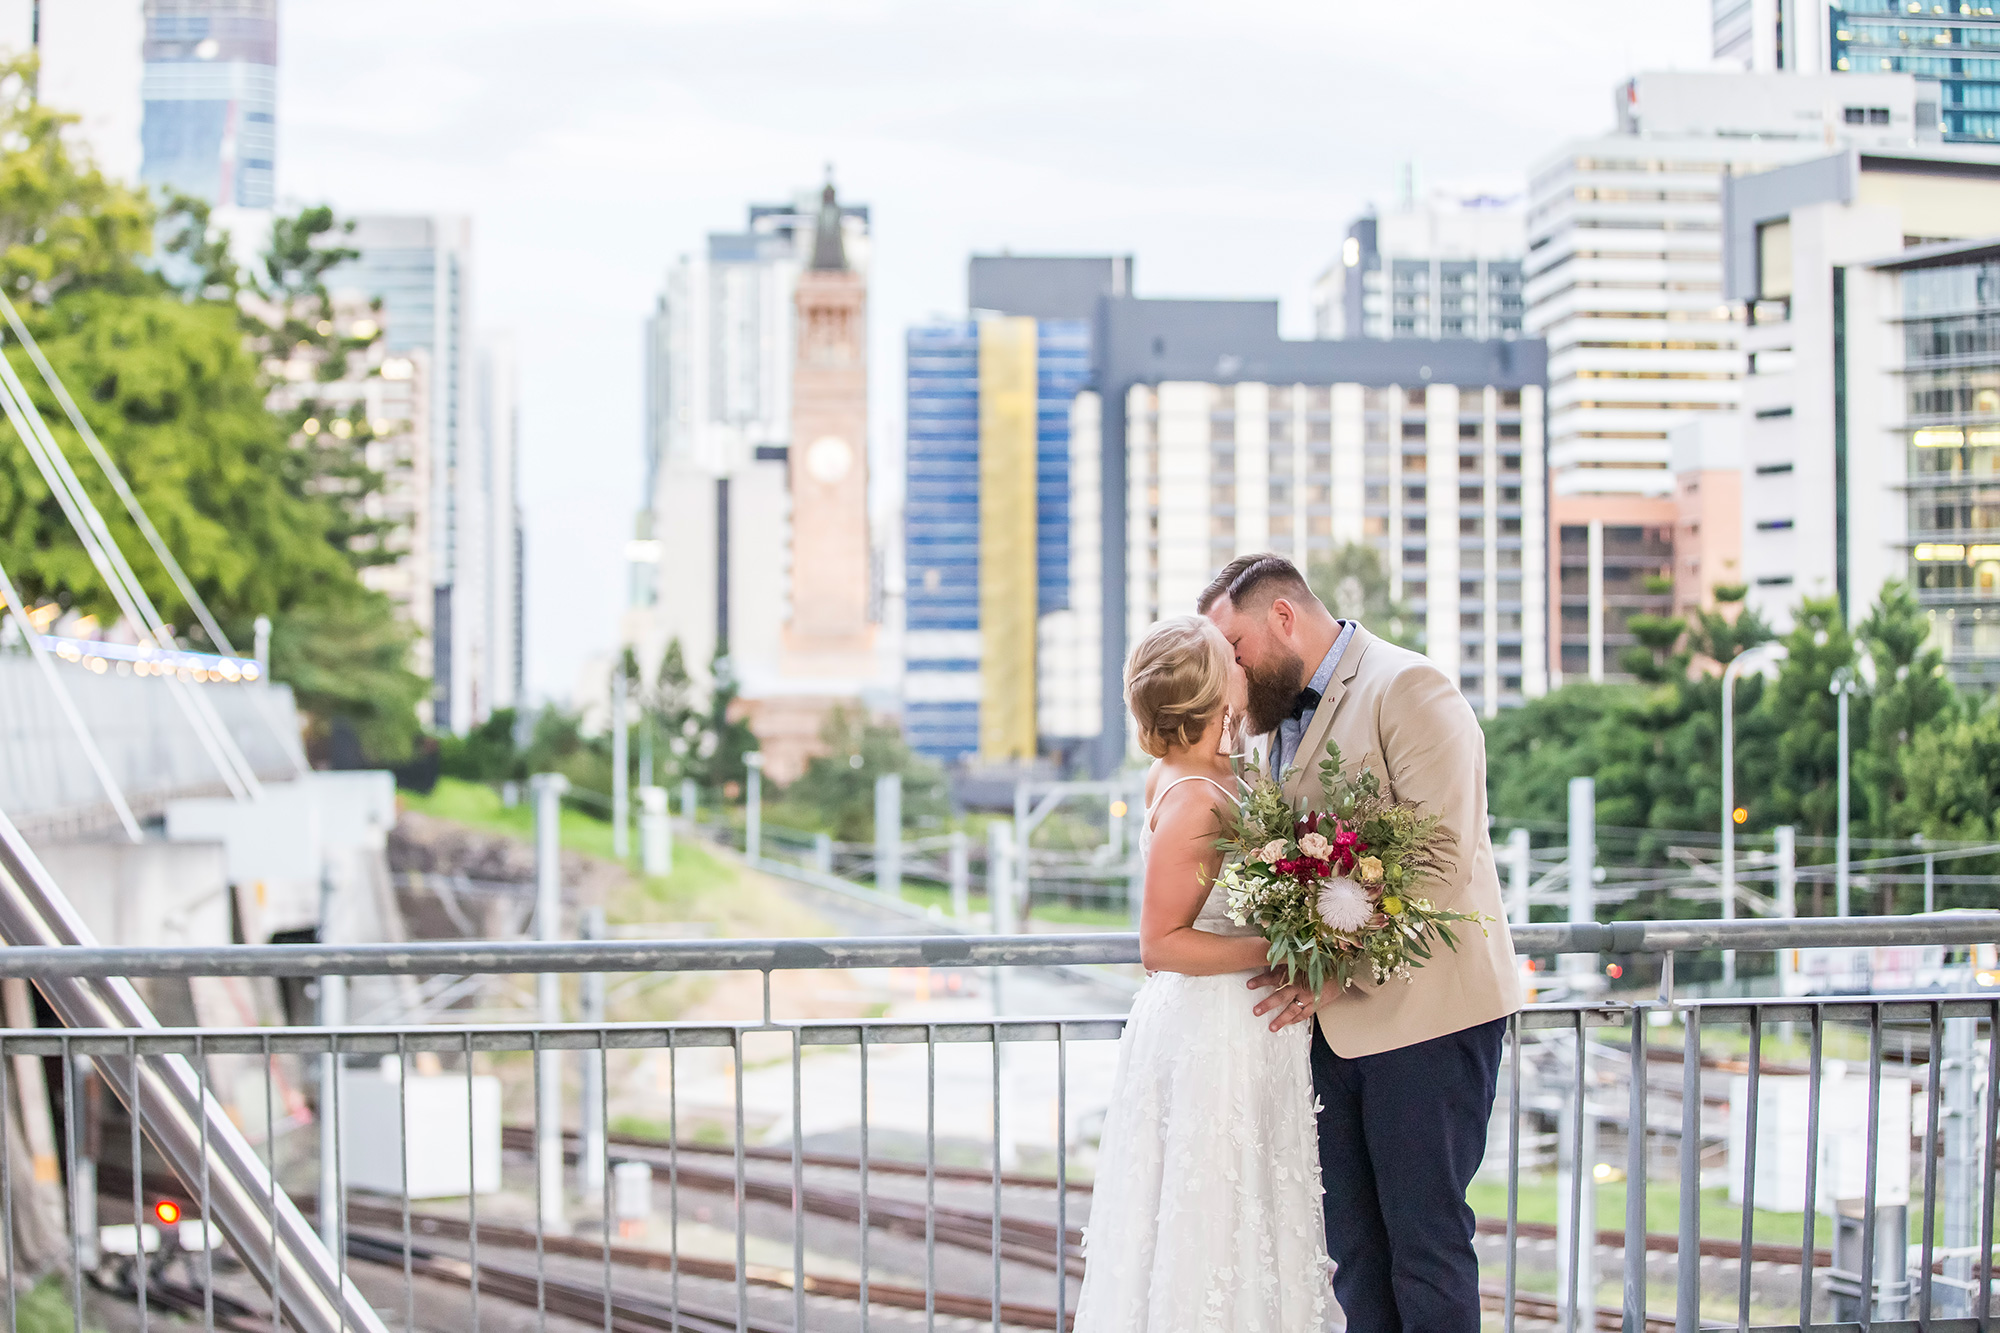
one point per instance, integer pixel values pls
(1206, 1211)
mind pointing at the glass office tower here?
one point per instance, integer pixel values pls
(210, 91)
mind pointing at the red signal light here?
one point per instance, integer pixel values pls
(167, 1211)
(1614, 971)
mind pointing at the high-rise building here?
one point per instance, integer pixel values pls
(1957, 45)
(756, 452)
(92, 66)
(1871, 413)
(1624, 282)
(211, 96)
(1000, 516)
(417, 270)
(492, 577)
(1449, 267)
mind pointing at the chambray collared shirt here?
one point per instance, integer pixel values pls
(1292, 730)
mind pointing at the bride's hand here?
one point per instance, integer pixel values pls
(1292, 1003)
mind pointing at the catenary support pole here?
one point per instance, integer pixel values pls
(1581, 968)
(590, 1164)
(889, 834)
(753, 807)
(959, 872)
(621, 777)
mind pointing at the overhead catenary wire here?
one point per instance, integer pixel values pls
(119, 578)
(116, 477)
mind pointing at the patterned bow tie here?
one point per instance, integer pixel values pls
(1308, 699)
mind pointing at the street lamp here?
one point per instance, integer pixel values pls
(1758, 658)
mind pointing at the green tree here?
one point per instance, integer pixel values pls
(1794, 783)
(1911, 694)
(838, 787)
(1354, 586)
(178, 400)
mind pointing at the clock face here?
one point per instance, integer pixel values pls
(829, 459)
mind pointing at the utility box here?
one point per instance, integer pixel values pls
(446, 1159)
(1783, 1106)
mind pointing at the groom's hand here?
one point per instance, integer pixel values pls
(1287, 1003)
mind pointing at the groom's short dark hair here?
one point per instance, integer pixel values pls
(1251, 580)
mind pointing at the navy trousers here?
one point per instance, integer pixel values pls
(1400, 1136)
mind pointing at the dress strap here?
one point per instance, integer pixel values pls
(1154, 813)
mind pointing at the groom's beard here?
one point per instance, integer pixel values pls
(1272, 689)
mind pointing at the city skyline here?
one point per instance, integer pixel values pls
(430, 125)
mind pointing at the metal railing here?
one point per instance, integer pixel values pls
(766, 1172)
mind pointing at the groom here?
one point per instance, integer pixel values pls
(1405, 1072)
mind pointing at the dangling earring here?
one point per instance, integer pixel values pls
(1226, 743)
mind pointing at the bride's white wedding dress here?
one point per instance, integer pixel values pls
(1205, 1216)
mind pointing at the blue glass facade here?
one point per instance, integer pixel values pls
(1960, 49)
(941, 512)
(210, 93)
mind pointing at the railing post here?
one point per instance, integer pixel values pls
(590, 1163)
(959, 874)
(1576, 1199)
(1842, 687)
(753, 806)
(621, 790)
(999, 886)
(548, 789)
(1635, 1178)
(1520, 870)
(1582, 879)
(656, 832)
(889, 834)
(332, 1014)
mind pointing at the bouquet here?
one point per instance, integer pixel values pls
(1336, 888)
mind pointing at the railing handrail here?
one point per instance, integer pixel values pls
(805, 954)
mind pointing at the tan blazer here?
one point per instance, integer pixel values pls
(1394, 711)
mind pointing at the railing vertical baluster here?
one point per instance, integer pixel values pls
(69, 1155)
(742, 1236)
(930, 1177)
(863, 1172)
(798, 1190)
(139, 1263)
(1635, 1178)
(1513, 1169)
(1577, 1300)
(472, 1181)
(339, 1201)
(996, 1174)
(1753, 1094)
(1871, 1157)
(1933, 1086)
(1814, 1061)
(1989, 1167)
(208, 1234)
(1687, 1259)
(7, 1183)
(605, 1179)
(403, 1151)
(271, 1174)
(674, 1179)
(541, 1174)
(1062, 1175)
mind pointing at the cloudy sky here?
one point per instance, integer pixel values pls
(1225, 146)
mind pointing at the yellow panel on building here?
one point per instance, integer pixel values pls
(1007, 573)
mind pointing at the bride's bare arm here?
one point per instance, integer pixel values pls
(1179, 870)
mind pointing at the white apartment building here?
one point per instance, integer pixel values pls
(1449, 267)
(1872, 406)
(1445, 480)
(1624, 269)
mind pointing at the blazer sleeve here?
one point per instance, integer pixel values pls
(1435, 757)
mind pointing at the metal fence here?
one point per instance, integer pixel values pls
(1787, 1162)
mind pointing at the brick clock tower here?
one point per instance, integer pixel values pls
(828, 646)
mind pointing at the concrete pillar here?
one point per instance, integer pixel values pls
(1520, 870)
(959, 874)
(621, 797)
(590, 1164)
(999, 877)
(656, 832)
(1582, 872)
(889, 834)
(753, 806)
(548, 789)
(1594, 609)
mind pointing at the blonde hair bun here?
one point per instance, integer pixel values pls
(1176, 682)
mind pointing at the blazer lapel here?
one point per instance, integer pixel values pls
(1312, 745)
